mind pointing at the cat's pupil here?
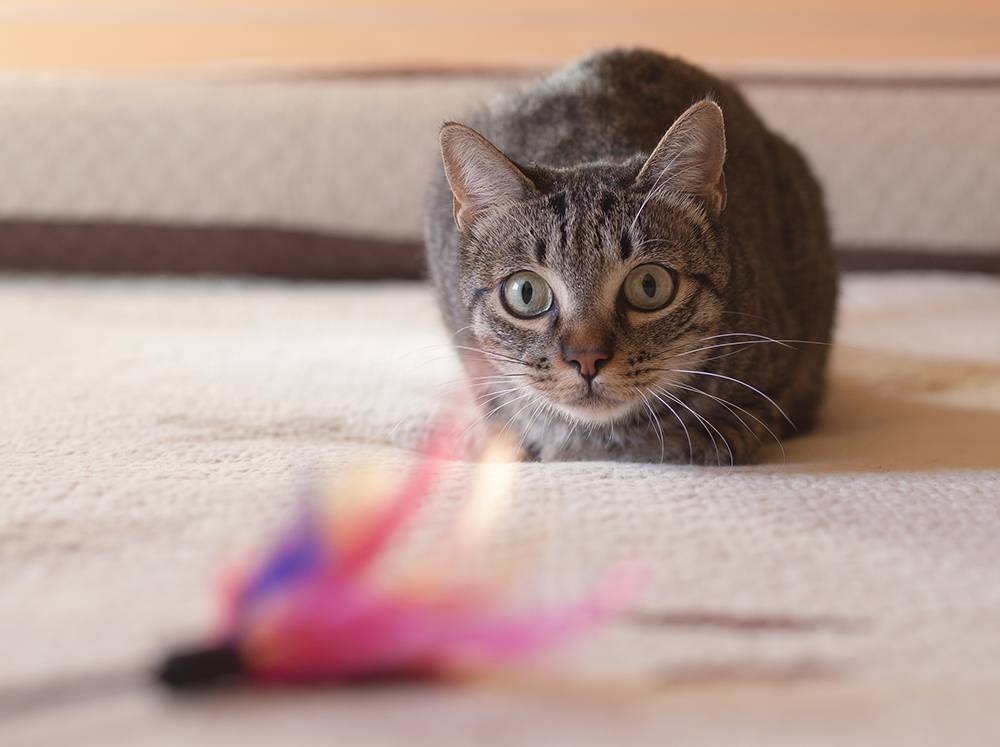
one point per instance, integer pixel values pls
(649, 285)
(526, 293)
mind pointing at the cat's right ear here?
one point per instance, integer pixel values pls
(479, 174)
(689, 159)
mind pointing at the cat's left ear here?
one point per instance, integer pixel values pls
(689, 158)
(479, 174)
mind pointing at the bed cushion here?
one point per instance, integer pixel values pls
(154, 429)
(323, 175)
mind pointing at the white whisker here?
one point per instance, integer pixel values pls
(735, 381)
(706, 424)
(489, 354)
(680, 420)
(726, 403)
(654, 421)
(512, 418)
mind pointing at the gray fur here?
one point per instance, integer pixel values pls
(751, 251)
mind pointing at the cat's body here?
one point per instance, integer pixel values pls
(584, 219)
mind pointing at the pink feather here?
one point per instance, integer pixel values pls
(311, 611)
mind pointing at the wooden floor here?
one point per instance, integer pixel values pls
(144, 34)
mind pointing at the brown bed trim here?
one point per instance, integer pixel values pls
(143, 248)
(146, 248)
(871, 259)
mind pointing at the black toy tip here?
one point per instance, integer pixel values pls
(199, 669)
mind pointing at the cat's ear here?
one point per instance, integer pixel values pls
(479, 174)
(689, 158)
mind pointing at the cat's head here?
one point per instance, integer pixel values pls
(588, 285)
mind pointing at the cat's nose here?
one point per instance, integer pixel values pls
(587, 362)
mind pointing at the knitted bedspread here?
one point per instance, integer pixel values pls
(153, 430)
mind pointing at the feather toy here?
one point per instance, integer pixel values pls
(316, 610)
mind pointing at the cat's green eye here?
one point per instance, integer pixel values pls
(526, 295)
(649, 287)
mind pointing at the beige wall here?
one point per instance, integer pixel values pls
(123, 34)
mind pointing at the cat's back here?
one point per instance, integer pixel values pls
(608, 106)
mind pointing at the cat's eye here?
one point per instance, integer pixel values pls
(526, 295)
(649, 287)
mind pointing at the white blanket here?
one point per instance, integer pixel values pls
(151, 430)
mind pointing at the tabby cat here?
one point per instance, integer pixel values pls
(633, 266)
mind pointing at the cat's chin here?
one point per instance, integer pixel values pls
(596, 410)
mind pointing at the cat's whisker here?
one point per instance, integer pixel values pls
(718, 357)
(654, 421)
(487, 355)
(735, 381)
(725, 404)
(786, 343)
(510, 421)
(482, 351)
(478, 382)
(699, 419)
(487, 388)
(492, 355)
(451, 357)
(762, 338)
(673, 351)
(670, 354)
(550, 413)
(569, 434)
(448, 349)
(750, 316)
(687, 433)
(489, 399)
(502, 375)
(542, 404)
(745, 343)
(484, 399)
(485, 417)
(707, 425)
(758, 340)
(746, 412)
(721, 356)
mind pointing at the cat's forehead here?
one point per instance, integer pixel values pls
(592, 187)
(589, 225)
(580, 211)
(584, 229)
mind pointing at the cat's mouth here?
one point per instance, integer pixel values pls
(595, 406)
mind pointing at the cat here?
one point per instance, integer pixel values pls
(633, 266)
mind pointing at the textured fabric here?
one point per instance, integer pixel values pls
(906, 163)
(153, 430)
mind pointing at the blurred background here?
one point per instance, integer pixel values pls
(268, 137)
(147, 34)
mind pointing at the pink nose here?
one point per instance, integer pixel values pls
(587, 362)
